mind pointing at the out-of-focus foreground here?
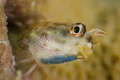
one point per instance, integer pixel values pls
(104, 64)
(6, 58)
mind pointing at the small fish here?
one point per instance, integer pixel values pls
(55, 43)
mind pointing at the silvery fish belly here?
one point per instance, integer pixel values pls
(55, 43)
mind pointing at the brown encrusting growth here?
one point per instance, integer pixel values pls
(104, 64)
(23, 12)
(6, 57)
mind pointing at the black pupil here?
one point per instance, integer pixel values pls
(76, 29)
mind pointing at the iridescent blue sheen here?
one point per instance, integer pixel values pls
(58, 59)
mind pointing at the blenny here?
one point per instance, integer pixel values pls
(54, 43)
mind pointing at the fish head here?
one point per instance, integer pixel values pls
(57, 43)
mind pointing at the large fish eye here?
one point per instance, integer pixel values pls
(77, 29)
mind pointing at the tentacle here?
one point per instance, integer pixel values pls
(96, 32)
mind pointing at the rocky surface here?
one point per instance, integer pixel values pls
(6, 57)
(104, 64)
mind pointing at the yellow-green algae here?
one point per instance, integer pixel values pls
(104, 64)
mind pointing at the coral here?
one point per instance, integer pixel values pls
(6, 57)
(104, 64)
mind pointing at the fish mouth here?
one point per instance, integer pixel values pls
(84, 52)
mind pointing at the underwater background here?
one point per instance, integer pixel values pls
(104, 63)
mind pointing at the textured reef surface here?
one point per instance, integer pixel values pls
(104, 64)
